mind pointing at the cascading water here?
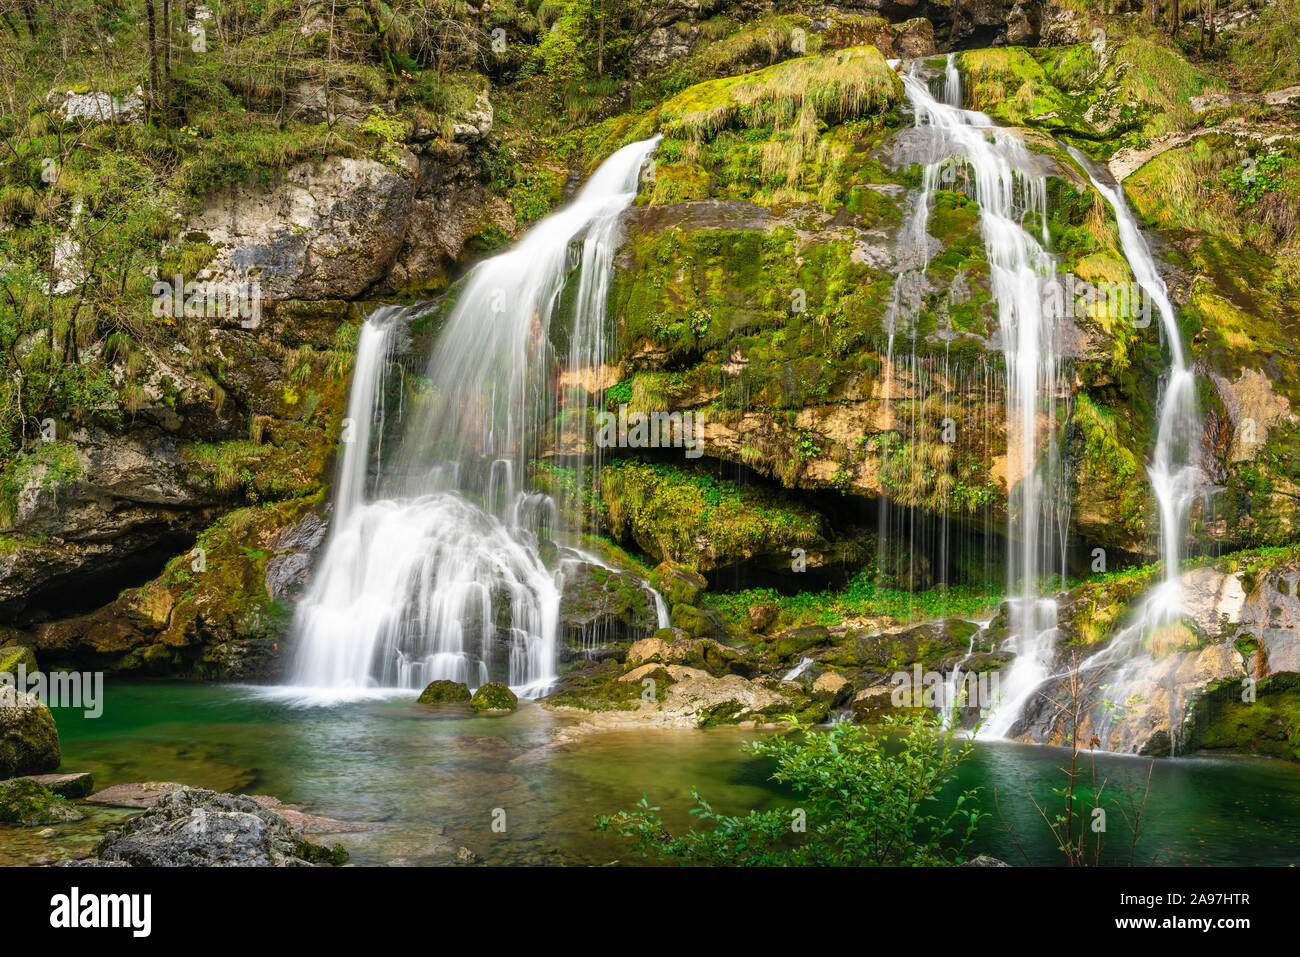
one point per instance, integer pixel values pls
(1132, 667)
(440, 575)
(365, 403)
(998, 169)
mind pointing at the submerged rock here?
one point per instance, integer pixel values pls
(440, 691)
(193, 827)
(494, 697)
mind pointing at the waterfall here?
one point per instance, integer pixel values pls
(1175, 480)
(965, 147)
(438, 575)
(365, 402)
(1175, 477)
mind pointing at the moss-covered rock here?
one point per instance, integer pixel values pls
(494, 697)
(1268, 725)
(437, 692)
(679, 584)
(29, 740)
(27, 804)
(11, 656)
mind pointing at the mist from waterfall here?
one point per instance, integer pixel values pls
(964, 149)
(438, 573)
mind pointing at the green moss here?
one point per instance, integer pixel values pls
(699, 521)
(28, 804)
(11, 656)
(1269, 725)
(440, 691)
(494, 697)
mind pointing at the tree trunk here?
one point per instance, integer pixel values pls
(153, 54)
(167, 61)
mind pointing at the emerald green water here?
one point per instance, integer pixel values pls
(428, 781)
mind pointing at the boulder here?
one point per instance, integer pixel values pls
(678, 584)
(762, 617)
(98, 106)
(649, 649)
(27, 803)
(439, 691)
(11, 656)
(74, 785)
(832, 687)
(29, 741)
(193, 827)
(494, 697)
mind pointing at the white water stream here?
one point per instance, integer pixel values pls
(438, 574)
(965, 147)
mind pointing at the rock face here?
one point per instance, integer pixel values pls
(192, 827)
(29, 741)
(111, 502)
(601, 609)
(1225, 676)
(325, 231)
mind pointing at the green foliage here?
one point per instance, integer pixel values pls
(865, 793)
(861, 597)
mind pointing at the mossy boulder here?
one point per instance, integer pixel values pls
(11, 656)
(679, 584)
(29, 741)
(440, 691)
(494, 697)
(28, 804)
(795, 641)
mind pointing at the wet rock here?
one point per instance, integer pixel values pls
(601, 608)
(26, 803)
(73, 785)
(984, 860)
(494, 697)
(139, 794)
(439, 691)
(29, 741)
(465, 856)
(193, 827)
(679, 584)
(11, 656)
(795, 641)
(833, 687)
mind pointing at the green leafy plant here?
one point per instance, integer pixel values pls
(867, 799)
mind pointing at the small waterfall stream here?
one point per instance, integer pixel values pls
(1133, 667)
(997, 167)
(438, 574)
